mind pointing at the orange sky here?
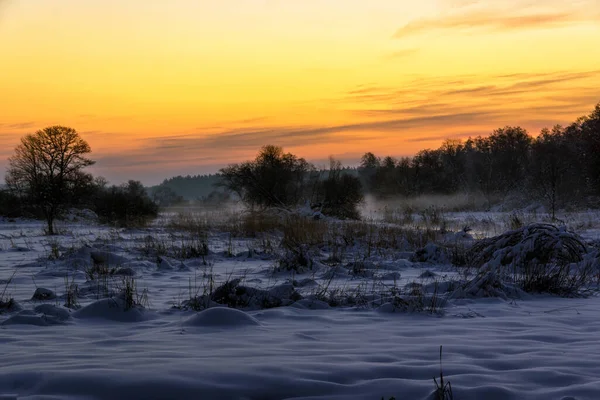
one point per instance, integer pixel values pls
(160, 88)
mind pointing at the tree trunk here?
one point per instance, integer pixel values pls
(553, 205)
(50, 221)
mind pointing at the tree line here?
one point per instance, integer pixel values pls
(560, 166)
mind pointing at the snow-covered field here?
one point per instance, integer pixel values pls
(366, 347)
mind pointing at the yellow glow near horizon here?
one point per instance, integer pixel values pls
(185, 86)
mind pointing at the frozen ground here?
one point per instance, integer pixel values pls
(534, 347)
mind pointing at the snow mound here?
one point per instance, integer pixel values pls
(26, 318)
(87, 256)
(42, 294)
(427, 274)
(311, 304)
(113, 310)
(531, 244)
(235, 295)
(107, 258)
(44, 315)
(283, 291)
(49, 310)
(164, 264)
(431, 253)
(488, 285)
(222, 317)
(9, 306)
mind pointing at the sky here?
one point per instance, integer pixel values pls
(160, 88)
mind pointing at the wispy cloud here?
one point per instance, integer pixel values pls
(481, 104)
(493, 20)
(18, 125)
(541, 83)
(434, 138)
(471, 90)
(3, 5)
(416, 95)
(401, 54)
(291, 136)
(214, 148)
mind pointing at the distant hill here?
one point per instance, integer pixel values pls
(191, 187)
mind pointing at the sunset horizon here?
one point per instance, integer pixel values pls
(160, 89)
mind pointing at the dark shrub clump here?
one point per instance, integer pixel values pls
(125, 205)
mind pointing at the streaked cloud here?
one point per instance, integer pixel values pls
(437, 138)
(315, 135)
(17, 125)
(470, 87)
(3, 5)
(401, 54)
(494, 20)
(174, 153)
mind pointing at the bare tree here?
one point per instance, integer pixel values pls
(47, 170)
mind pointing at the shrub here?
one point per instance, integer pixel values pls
(13, 206)
(540, 258)
(125, 205)
(164, 196)
(130, 295)
(179, 247)
(273, 179)
(534, 243)
(7, 303)
(340, 194)
(251, 223)
(301, 236)
(216, 198)
(71, 291)
(198, 301)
